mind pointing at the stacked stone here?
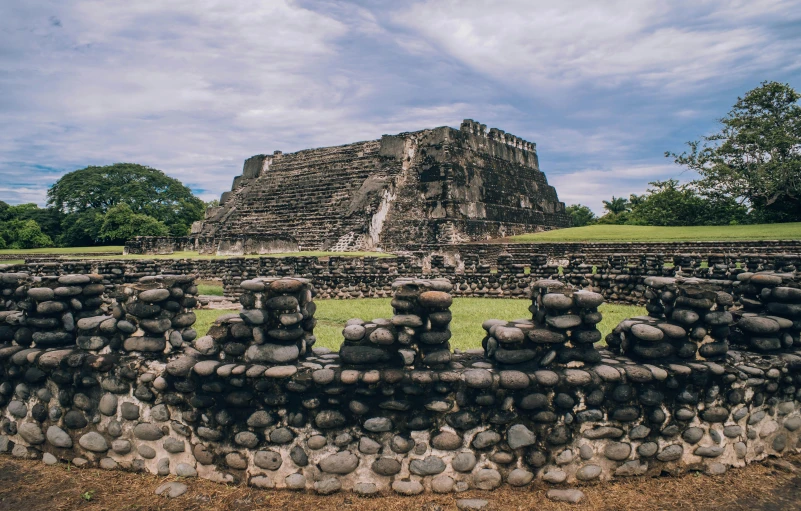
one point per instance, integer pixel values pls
(13, 289)
(563, 329)
(58, 310)
(275, 326)
(686, 317)
(652, 264)
(154, 314)
(771, 316)
(417, 334)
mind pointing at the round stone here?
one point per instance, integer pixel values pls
(343, 462)
(487, 479)
(268, 460)
(94, 442)
(464, 462)
(519, 477)
(408, 487)
(617, 451)
(588, 473)
(386, 466)
(58, 437)
(295, 482)
(429, 466)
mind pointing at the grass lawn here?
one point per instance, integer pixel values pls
(468, 314)
(209, 287)
(787, 231)
(63, 250)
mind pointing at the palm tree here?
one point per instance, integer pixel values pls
(617, 205)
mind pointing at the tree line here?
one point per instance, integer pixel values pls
(102, 206)
(749, 171)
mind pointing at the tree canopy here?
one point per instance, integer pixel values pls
(580, 215)
(147, 191)
(755, 157)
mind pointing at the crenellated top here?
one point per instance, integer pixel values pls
(476, 128)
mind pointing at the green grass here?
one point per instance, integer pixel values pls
(468, 314)
(12, 261)
(63, 250)
(196, 255)
(787, 231)
(209, 287)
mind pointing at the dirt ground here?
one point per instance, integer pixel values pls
(31, 486)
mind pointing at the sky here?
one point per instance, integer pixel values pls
(194, 87)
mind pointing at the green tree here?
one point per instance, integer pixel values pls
(20, 234)
(580, 215)
(146, 191)
(81, 229)
(617, 205)
(121, 224)
(755, 157)
(669, 203)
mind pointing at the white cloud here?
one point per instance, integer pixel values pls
(592, 186)
(604, 44)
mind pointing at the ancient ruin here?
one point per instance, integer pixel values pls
(106, 369)
(440, 186)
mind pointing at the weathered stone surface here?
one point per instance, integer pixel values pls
(340, 463)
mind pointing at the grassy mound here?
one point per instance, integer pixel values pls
(788, 231)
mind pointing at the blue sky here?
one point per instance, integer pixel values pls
(194, 87)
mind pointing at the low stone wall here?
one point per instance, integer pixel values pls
(620, 279)
(127, 384)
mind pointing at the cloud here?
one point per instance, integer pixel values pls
(603, 45)
(592, 186)
(195, 87)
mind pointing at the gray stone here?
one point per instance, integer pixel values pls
(464, 462)
(617, 451)
(172, 489)
(160, 413)
(487, 479)
(368, 446)
(272, 353)
(446, 441)
(108, 464)
(147, 431)
(486, 439)
(571, 496)
(262, 481)
(58, 437)
(108, 404)
(185, 470)
(708, 451)
(49, 459)
(121, 446)
(173, 445)
(365, 489)
(519, 436)
(519, 477)
(442, 484)
(471, 504)
(94, 442)
(588, 473)
(31, 433)
(316, 442)
(429, 466)
(554, 475)
(146, 451)
(268, 460)
(281, 436)
(295, 481)
(343, 462)
(378, 424)
(670, 453)
(386, 466)
(17, 409)
(407, 487)
(236, 461)
(693, 435)
(246, 439)
(478, 378)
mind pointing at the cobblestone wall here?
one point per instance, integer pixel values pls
(125, 383)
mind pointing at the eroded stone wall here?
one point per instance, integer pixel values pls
(433, 186)
(152, 396)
